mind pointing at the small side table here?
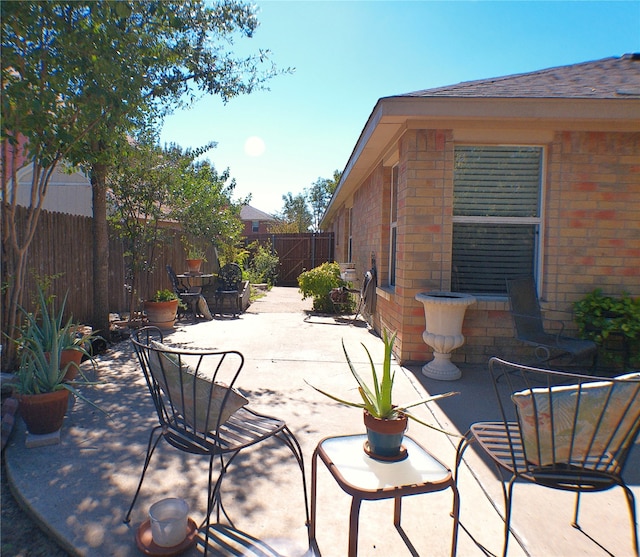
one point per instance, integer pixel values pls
(363, 477)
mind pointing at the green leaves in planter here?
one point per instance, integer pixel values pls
(597, 316)
(377, 399)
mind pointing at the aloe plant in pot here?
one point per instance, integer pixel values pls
(42, 386)
(385, 421)
(45, 328)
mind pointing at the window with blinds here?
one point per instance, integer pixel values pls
(496, 216)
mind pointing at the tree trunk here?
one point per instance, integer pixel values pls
(100, 321)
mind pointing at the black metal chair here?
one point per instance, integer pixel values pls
(559, 430)
(188, 295)
(229, 283)
(527, 318)
(200, 412)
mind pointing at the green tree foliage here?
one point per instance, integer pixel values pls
(77, 77)
(295, 214)
(202, 203)
(319, 196)
(304, 211)
(263, 264)
(150, 186)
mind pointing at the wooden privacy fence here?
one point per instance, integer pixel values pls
(298, 252)
(63, 245)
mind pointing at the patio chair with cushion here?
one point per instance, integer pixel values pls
(200, 412)
(559, 430)
(527, 318)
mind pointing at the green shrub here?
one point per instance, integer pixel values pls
(263, 265)
(318, 283)
(599, 316)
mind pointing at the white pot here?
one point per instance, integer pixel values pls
(444, 315)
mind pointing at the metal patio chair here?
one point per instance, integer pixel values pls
(199, 412)
(229, 284)
(559, 430)
(529, 325)
(188, 295)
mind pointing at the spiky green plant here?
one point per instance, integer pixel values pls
(42, 340)
(378, 400)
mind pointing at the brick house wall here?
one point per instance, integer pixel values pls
(591, 234)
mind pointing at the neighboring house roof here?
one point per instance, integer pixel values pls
(602, 95)
(67, 192)
(609, 78)
(251, 213)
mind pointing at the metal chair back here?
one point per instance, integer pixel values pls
(200, 412)
(561, 430)
(529, 326)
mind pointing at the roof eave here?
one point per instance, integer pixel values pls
(392, 115)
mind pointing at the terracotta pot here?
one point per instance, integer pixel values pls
(161, 314)
(385, 436)
(194, 265)
(74, 357)
(43, 413)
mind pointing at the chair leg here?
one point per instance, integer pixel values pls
(289, 439)
(508, 495)
(632, 515)
(151, 447)
(214, 498)
(576, 511)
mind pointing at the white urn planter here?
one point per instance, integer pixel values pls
(444, 315)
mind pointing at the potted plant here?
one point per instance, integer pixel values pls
(42, 385)
(385, 421)
(195, 257)
(605, 318)
(320, 282)
(162, 309)
(45, 327)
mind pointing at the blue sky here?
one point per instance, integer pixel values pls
(347, 55)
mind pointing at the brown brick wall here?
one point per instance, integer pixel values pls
(591, 235)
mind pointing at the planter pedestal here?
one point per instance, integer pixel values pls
(444, 315)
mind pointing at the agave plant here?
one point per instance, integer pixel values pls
(43, 339)
(47, 329)
(378, 399)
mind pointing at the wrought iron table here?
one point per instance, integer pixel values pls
(365, 478)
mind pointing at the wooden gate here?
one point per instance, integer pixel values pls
(298, 252)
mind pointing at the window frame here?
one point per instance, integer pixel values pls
(393, 224)
(537, 222)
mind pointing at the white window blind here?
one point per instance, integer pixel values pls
(496, 215)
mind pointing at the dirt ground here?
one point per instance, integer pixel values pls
(19, 535)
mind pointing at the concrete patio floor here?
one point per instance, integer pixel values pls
(80, 489)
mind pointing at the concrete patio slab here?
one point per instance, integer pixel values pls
(80, 489)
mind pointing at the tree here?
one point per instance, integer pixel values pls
(319, 195)
(150, 186)
(139, 200)
(295, 215)
(77, 77)
(201, 201)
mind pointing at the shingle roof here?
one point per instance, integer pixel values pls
(247, 212)
(609, 78)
